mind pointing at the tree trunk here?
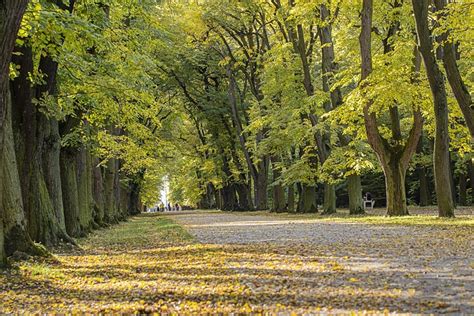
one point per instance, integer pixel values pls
(395, 189)
(29, 126)
(425, 196)
(14, 224)
(98, 193)
(70, 192)
(435, 77)
(11, 13)
(51, 168)
(229, 198)
(354, 189)
(424, 192)
(307, 200)
(329, 201)
(134, 199)
(462, 189)
(261, 184)
(110, 202)
(3, 256)
(470, 170)
(84, 187)
(279, 203)
(245, 199)
(291, 198)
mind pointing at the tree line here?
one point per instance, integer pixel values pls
(240, 105)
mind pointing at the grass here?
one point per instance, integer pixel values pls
(142, 231)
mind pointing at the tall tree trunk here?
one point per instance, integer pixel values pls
(14, 224)
(279, 203)
(110, 215)
(354, 189)
(425, 196)
(11, 13)
(261, 185)
(245, 198)
(329, 201)
(229, 198)
(84, 187)
(134, 198)
(441, 164)
(70, 191)
(307, 202)
(29, 127)
(291, 198)
(3, 256)
(98, 193)
(462, 189)
(395, 189)
(470, 172)
(424, 192)
(52, 170)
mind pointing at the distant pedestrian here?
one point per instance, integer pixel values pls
(169, 206)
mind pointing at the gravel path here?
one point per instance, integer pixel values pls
(420, 269)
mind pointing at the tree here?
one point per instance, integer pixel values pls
(441, 158)
(394, 155)
(11, 13)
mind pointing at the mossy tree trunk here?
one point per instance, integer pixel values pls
(11, 13)
(29, 127)
(14, 224)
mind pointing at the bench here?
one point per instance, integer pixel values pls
(369, 204)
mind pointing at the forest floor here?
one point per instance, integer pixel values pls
(254, 262)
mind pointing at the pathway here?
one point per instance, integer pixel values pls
(401, 268)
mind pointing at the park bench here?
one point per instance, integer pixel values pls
(369, 203)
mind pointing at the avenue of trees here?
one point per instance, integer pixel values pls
(295, 105)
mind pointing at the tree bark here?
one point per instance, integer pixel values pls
(278, 193)
(84, 187)
(70, 192)
(244, 197)
(354, 189)
(98, 193)
(329, 201)
(395, 189)
(52, 169)
(110, 213)
(30, 126)
(307, 202)
(470, 170)
(441, 164)
(462, 189)
(11, 13)
(291, 198)
(14, 223)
